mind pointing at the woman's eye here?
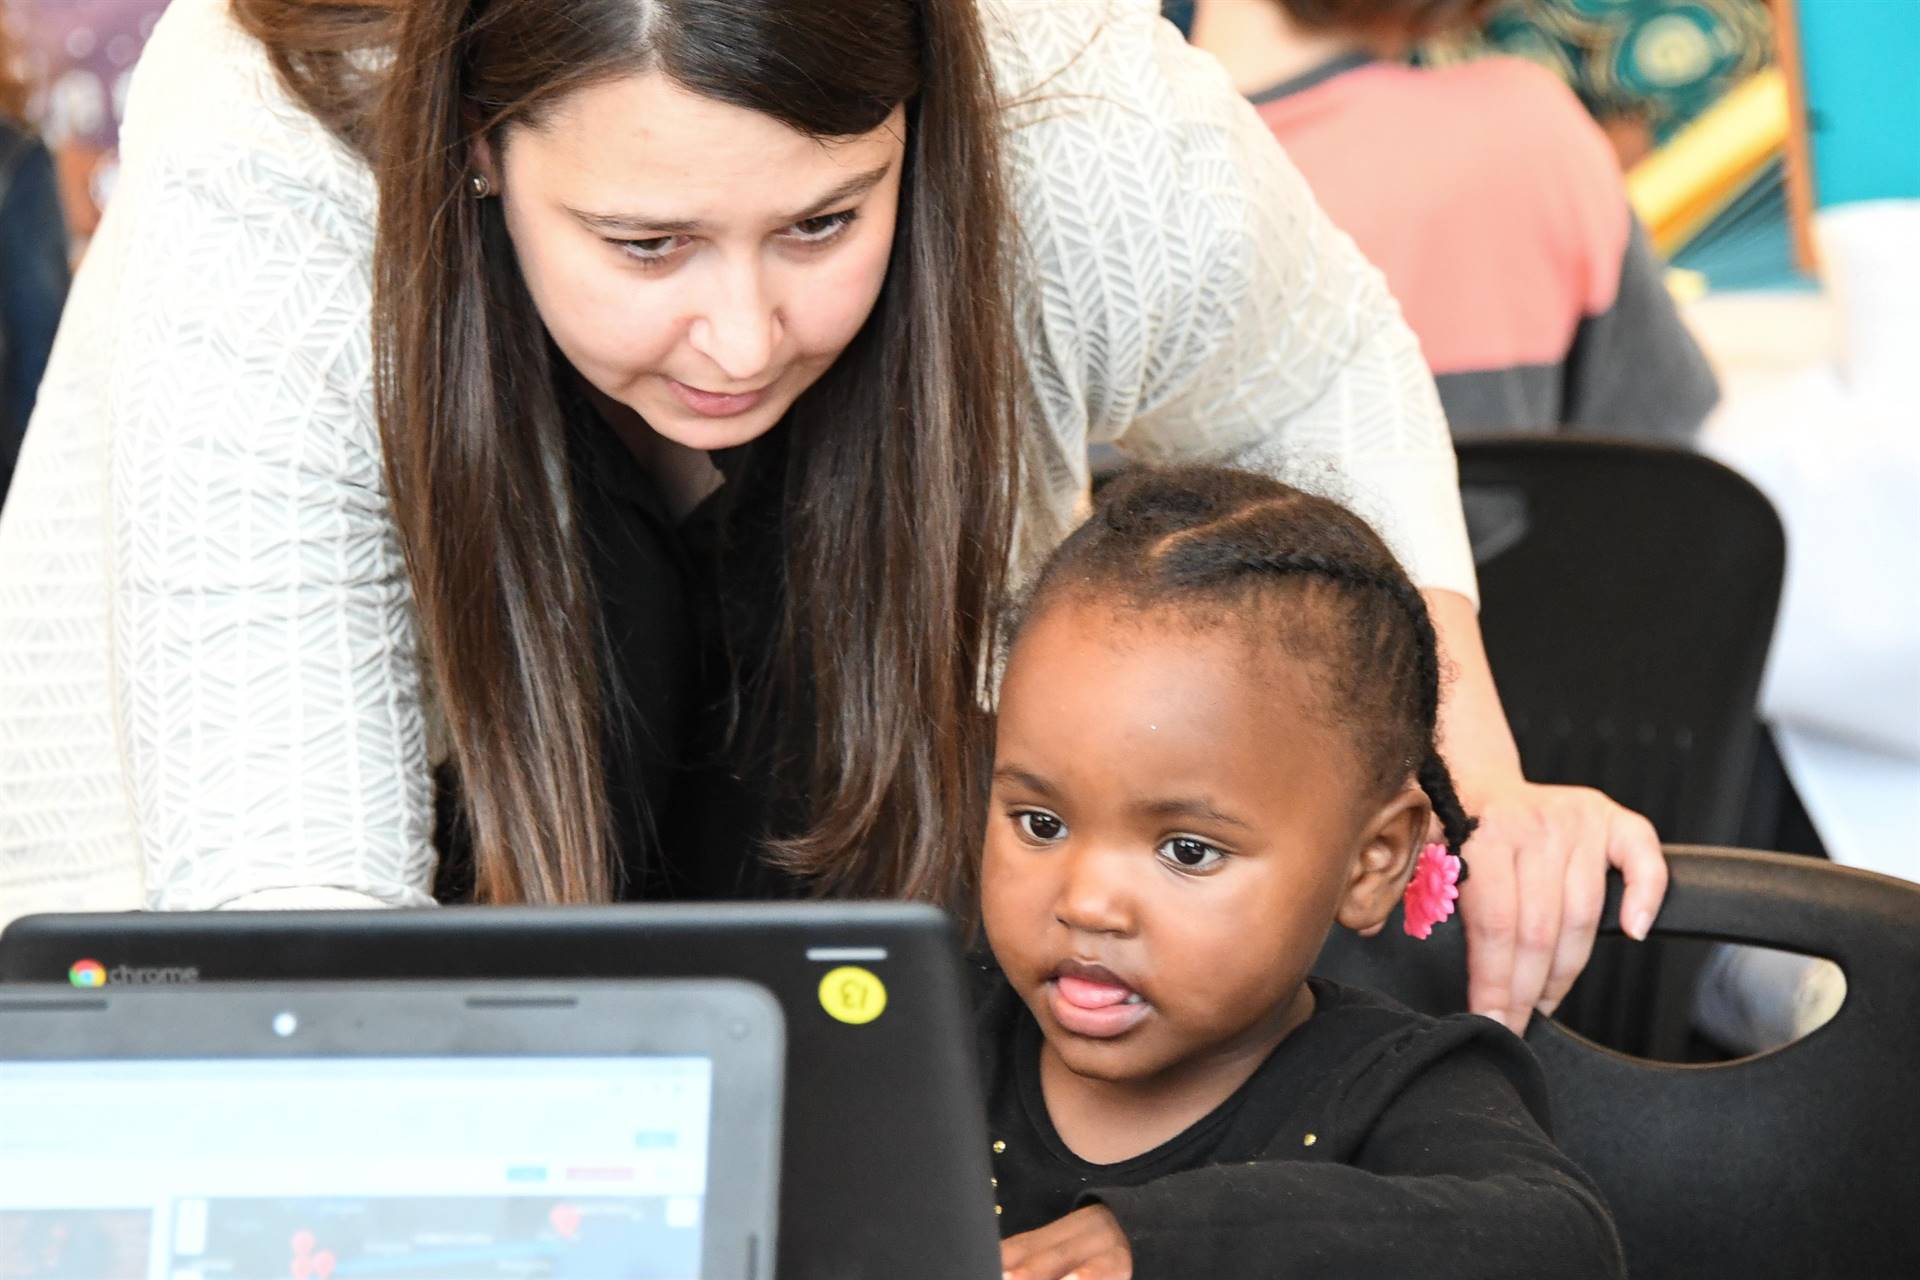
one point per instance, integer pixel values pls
(1189, 854)
(823, 228)
(1041, 828)
(653, 249)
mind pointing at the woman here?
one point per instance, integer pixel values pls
(33, 261)
(438, 346)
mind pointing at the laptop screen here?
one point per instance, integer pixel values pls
(456, 1167)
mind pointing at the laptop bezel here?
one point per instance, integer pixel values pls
(925, 1209)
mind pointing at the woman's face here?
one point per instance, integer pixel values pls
(697, 262)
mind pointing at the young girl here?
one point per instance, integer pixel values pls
(1216, 740)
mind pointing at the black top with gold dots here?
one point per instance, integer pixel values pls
(1372, 1138)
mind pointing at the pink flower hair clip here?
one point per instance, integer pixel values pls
(1432, 891)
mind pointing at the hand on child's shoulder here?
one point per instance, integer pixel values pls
(1087, 1244)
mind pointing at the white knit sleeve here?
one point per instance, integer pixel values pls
(268, 684)
(1194, 302)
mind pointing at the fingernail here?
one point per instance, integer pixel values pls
(1637, 925)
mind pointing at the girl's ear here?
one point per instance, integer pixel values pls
(1390, 842)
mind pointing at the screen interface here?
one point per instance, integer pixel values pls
(308, 1169)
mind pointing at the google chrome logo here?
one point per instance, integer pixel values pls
(87, 973)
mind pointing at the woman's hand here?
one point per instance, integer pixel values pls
(1538, 862)
(1087, 1244)
(1538, 878)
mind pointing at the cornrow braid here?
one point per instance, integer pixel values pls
(1434, 777)
(1211, 533)
(1437, 781)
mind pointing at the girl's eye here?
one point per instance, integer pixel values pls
(827, 226)
(653, 249)
(1038, 826)
(1189, 854)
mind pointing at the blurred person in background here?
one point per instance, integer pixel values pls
(1644, 68)
(1491, 200)
(33, 260)
(81, 54)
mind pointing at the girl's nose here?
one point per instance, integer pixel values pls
(1095, 896)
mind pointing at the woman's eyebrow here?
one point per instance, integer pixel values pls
(858, 185)
(637, 225)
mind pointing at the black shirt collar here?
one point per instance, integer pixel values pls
(1319, 75)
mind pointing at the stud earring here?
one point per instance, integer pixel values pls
(481, 187)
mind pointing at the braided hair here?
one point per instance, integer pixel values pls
(1226, 544)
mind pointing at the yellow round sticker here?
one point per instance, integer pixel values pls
(852, 995)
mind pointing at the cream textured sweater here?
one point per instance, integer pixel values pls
(210, 686)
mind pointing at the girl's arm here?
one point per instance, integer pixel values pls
(1453, 1177)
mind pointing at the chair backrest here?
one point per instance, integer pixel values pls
(1801, 1162)
(1628, 595)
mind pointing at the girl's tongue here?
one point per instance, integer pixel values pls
(1085, 993)
(1099, 1008)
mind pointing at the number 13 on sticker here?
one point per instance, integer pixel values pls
(852, 995)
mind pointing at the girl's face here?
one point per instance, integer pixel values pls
(697, 262)
(1173, 830)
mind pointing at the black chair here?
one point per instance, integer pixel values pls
(1803, 1162)
(1628, 595)
(1628, 600)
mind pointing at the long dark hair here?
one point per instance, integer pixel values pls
(1311, 574)
(898, 506)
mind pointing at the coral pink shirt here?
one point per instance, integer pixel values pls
(1497, 210)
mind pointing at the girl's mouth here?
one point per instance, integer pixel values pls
(1091, 1000)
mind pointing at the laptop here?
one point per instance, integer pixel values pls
(885, 1168)
(449, 1129)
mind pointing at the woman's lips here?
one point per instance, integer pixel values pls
(716, 404)
(1090, 1000)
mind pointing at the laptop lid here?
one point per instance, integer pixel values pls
(454, 1129)
(885, 1167)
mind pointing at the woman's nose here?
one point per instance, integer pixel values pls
(738, 329)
